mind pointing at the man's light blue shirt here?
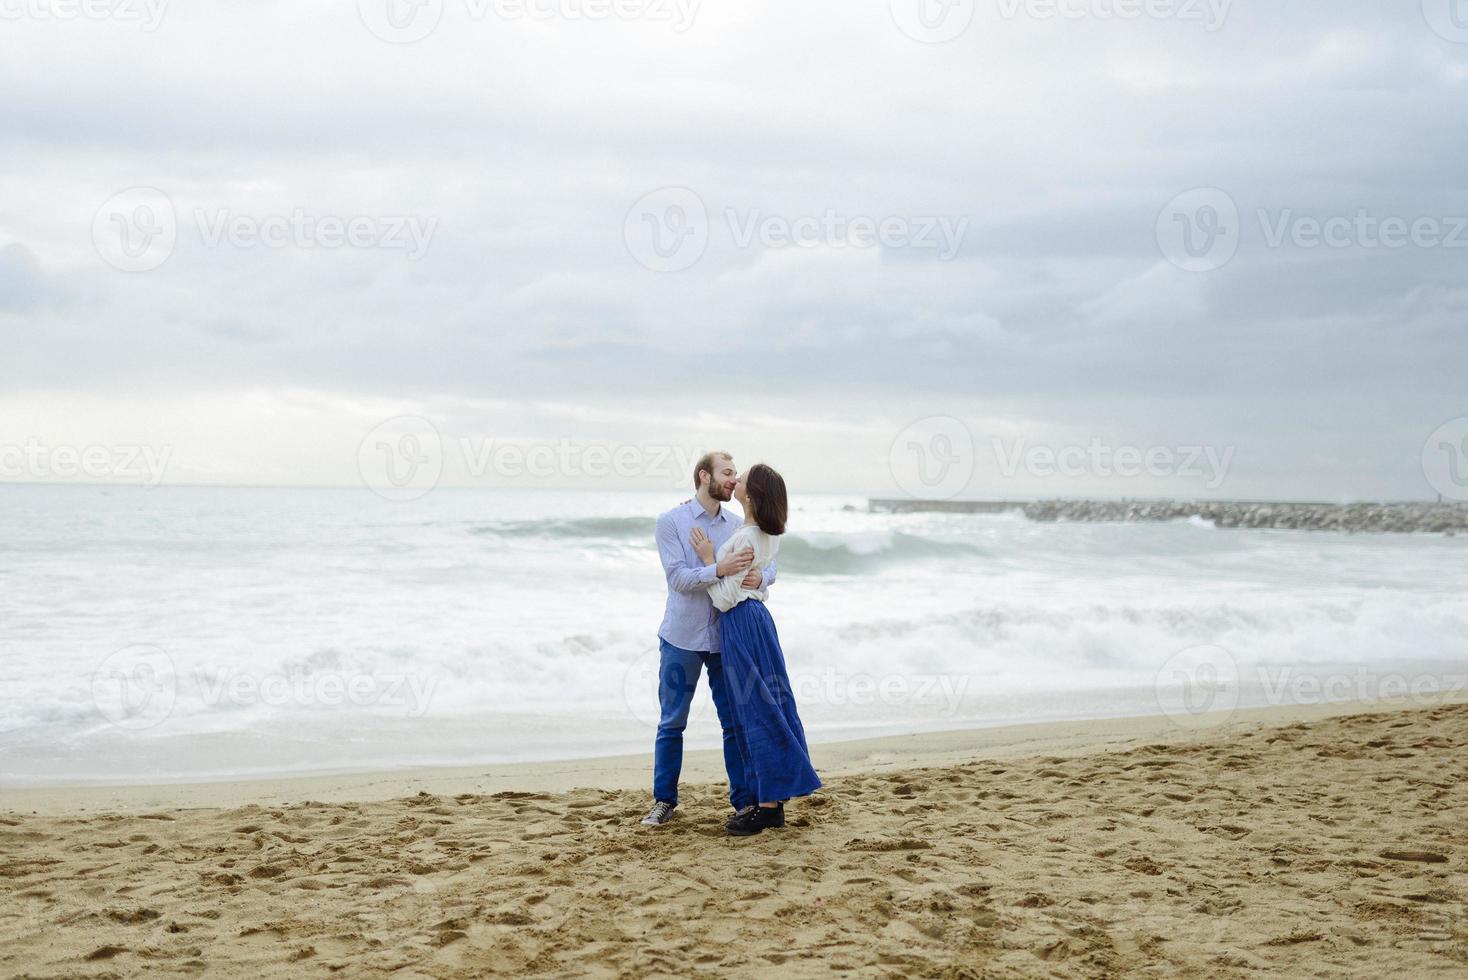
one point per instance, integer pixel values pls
(690, 621)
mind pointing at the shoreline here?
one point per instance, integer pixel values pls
(701, 767)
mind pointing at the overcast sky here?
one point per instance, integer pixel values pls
(788, 229)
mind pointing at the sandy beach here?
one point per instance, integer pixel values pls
(1300, 841)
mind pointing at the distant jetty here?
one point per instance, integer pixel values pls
(1398, 518)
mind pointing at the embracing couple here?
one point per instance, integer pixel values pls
(719, 570)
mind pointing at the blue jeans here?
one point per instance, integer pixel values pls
(678, 671)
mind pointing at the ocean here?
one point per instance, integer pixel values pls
(199, 633)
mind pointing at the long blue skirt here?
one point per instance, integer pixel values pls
(771, 738)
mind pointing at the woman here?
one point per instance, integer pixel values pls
(771, 738)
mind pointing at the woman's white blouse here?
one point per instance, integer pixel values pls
(727, 592)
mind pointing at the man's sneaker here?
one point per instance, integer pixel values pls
(660, 814)
(752, 820)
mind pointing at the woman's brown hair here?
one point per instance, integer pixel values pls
(766, 490)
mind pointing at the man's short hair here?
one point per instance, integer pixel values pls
(706, 464)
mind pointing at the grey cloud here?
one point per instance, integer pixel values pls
(1059, 144)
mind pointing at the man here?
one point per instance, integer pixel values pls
(689, 637)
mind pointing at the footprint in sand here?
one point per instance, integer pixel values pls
(1425, 857)
(104, 953)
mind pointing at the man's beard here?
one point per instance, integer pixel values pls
(721, 493)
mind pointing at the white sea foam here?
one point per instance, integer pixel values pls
(286, 629)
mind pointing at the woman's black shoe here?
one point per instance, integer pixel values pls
(751, 821)
(738, 814)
